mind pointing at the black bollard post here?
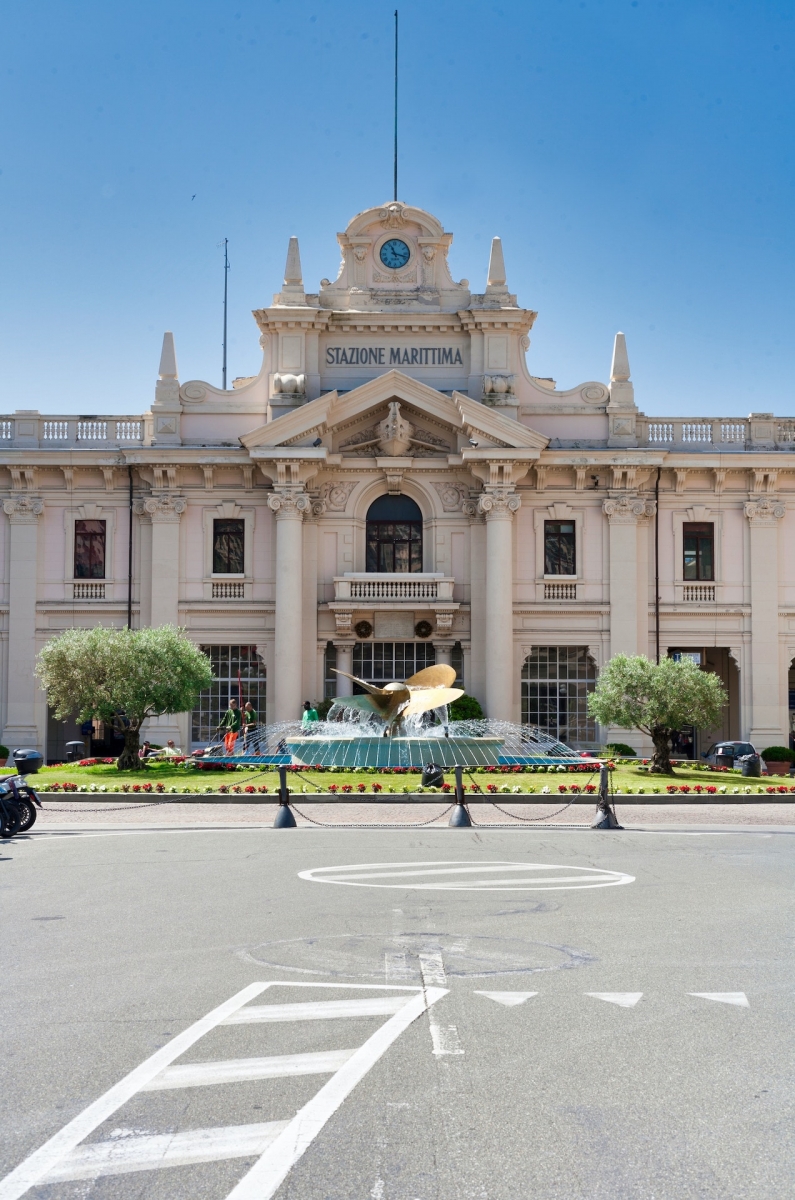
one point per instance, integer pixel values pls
(459, 817)
(605, 816)
(284, 818)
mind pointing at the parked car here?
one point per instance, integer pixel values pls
(724, 754)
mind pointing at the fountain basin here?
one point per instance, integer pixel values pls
(374, 752)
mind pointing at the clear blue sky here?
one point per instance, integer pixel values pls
(636, 157)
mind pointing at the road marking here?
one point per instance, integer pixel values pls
(121, 1156)
(445, 1039)
(460, 876)
(43, 1160)
(318, 1010)
(623, 999)
(432, 968)
(509, 999)
(738, 998)
(267, 1175)
(235, 1070)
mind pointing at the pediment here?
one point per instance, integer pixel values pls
(347, 422)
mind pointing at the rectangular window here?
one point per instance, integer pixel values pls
(556, 683)
(559, 550)
(240, 672)
(699, 551)
(89, 550)
(228, 543)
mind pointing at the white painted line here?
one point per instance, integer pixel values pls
(459, 876)
(46, 1158)
(236, 1070)
(123, 1155)
(266, 1176)
(432, 968)
(445, 1039)
(509, 999)
(738, 998)
(319, 1010)
(622, 999)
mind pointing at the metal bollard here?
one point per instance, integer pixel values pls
(284, 818)
(459, 817)
(605, 816)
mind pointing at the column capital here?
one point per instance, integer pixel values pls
(496, 504)
(290, 503)
(23, 510)
(628, 510)
(764, 512)
(162, 510)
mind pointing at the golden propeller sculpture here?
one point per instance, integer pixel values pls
(426, 690)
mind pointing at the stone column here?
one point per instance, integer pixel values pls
(165, 512)
(21, 731)
(344, 663)
(629, 588)
(767, 717)
(310, 601)
(444, 653)
(498, 506)
(289, 506)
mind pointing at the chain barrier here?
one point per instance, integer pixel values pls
(371, 824)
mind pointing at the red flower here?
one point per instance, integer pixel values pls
(347, 787)
(590, 787)
(377, 787)
(262, 788)
(235, 788)
(249, 789)
(108, 761)
(223, 788)
(698, 788)
(769, 790)
(146, 787)
(671, 788)
(492, 787)
(575, 787)
(332, 787)
(712, 789)
(447, 787)
(562, 787)
(136, 787)
(781, 788)
(473, 787)
(160, 787)
(685, 787)
(361, 787)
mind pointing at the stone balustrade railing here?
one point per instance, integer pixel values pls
(30, 430)
(411, 588)
(760, 431)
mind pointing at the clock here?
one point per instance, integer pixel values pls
(395, 254)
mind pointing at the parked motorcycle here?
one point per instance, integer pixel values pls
(18, 800)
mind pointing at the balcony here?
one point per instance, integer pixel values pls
(228, 589)
(89, 591)
(560, 591)
(31, 430)
(698, 593)
(411, 589)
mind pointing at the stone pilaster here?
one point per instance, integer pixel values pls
(164, 513)
(628, 517)
(290, 505)
(21, 728)
(344, 663)
(498, 505)
(312, 667)
(768, 689)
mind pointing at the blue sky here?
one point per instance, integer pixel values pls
(636, 157)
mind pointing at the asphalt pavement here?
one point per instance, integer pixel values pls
(397, 1014)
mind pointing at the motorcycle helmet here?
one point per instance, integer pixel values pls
(27, 762)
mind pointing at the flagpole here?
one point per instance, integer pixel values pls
(396, 108)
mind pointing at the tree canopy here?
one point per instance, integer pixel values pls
(657, 698)
(122, 676)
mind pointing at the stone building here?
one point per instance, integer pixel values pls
(396, 488)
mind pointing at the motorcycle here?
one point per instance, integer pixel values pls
(18, 800)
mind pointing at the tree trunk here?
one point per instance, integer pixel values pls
(128, 760)
(661, 759)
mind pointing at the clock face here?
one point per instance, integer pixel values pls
(395, 254)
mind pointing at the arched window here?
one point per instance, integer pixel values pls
(394, 535)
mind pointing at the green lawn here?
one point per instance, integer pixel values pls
(626, 778)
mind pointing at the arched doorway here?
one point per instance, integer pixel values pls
(394, 535)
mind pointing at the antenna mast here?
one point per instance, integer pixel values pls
(225, 244)
(396, 105)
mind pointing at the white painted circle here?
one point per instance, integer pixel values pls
(468, 876)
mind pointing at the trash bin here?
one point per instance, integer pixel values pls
(432, 775)
(75, 751)
(750, 766)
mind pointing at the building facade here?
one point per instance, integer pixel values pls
(395, 488)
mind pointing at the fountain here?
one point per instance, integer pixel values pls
(404, 724)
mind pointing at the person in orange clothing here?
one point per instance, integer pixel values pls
(232, 723)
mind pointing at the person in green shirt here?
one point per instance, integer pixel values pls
(232, 722)
(308, 715)
(250, 719)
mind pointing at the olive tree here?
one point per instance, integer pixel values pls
(123, 676)
(658, 699)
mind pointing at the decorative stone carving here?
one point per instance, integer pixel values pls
(360, 253)
(392, 216)
(289, 385)
(452, 495)
(495, 386)
(394, 480)
(444, 621)
(163, 508)
(194, 391)
(394, 433)
(499, 503)
(289, 503)
(595, 393)
(406, 277)
(317, 506)
(336, 495)
(342, 620)
(764, 512)
(628, 509)
(23, 508)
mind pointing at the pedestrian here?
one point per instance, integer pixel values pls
(250, 719)
(145, 750)
(232, 722)
(309, 715)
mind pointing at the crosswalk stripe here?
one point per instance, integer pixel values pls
(236, 1070)
(123, 1155)
(267, 1174)
(622, 999)
(738, 998)
(319, 1010)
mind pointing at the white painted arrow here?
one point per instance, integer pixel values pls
(509, 999)
(738, 998)
(623, 999)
